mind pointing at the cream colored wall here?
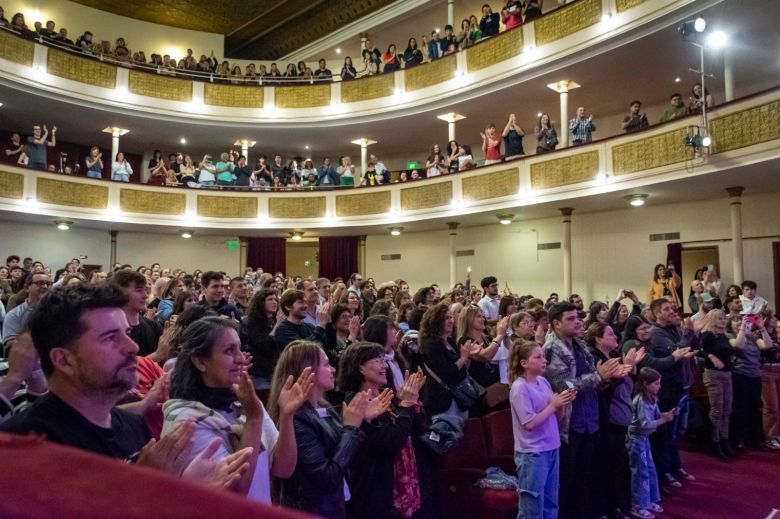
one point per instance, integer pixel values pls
(297, 255)
(610, 251)
(199, 252)
(139, 35)
(53, 247)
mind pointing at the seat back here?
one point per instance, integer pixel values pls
(499, 438)
(471, 451)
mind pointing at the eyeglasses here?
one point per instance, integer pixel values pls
(42, 283)
(378, 360)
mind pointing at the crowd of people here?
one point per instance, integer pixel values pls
(373, 60)
(328, 385)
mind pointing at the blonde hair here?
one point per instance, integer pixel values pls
(297, 356)
(710, 319)
(465, 318)
(521, 350)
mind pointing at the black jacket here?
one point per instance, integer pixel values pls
(441, 360)
(325, 451)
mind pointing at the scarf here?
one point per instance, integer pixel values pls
(218, 398)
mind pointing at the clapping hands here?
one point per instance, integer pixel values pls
(410, 392)
(293, 395)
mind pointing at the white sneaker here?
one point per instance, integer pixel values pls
(656, 508)
(773, 444)
(641, 513)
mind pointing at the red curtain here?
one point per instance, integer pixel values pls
(270, 254)
(338, 256)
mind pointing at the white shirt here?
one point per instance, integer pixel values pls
(489, 306)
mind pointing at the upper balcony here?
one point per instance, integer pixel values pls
(564, 36)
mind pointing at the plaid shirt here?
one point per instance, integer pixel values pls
(581, 130)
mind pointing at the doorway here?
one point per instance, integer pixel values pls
(693, 259)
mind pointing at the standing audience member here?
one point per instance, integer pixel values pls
(546, 136)
(635, 121)
(37, 144)
(513, 139)
(488, 25)
(676, 110)
(94, 162)
(718, 351)
(121, 169)
(491, 145)
(581, 128)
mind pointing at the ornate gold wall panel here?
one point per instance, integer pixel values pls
(151, 202)
(77, 68)
(745, 128)
(11, 185)
(162, 87)
(233, 95)
(304, 96)
(564, 171)
(423, 197)
(625, 5)
(363, 204)
(364, 89)
(227, 207)
(431, 73)
(492, 185)
(303, 207)
(567, 20)
(74, 194)
(15, 49)
(651, 152)
(495, 50)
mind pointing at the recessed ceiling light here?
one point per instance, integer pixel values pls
(183, 140)
(63, 225)
(505, 219)
(187, 234)
(677, 80)
(296, 235)
(307, 146)
(1, 104)
(538, 114)
(338, 50)
(396, 231)
(436, 29)
(637, 200)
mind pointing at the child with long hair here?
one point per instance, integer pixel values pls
(535, 430)
(646, 419)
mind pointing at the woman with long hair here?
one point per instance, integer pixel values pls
(174, 287)
(390, 59)
(718, 355)
(664, 284)
(256, 337)
(412, 55)
(436, 162)
(348, 70)
(546, 136)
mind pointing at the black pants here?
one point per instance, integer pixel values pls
(746, 423)
(611, 475)
(576, 462)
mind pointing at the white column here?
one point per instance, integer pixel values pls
(245, 150)
(728, 74)
(451, 13)
(363, 160)
(451, 131)
(453, 226)
(564, 129)
(115, 132)
(735, 201)
(112, 254)
(566, 248)
(363, 38)
(362, 256)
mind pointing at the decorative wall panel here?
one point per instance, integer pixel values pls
(495, 50)
(304, 207)
(162, 87)
(15, 49)
(431, 73)
(745, 128)
(567, 20)
(424, 197)
(367, 88)
(651, 152)
(78, 68)
(304, 96)
(233, 95)
(492, 185)
(625, 5)
(565, 171)
(74, 194)
(151, 202)
(363, 204)
(227, 207)
(11, 185)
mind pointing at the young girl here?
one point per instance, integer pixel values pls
(535, 429)
(646, 419)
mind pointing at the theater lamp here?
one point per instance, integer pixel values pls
(691, 27)
(296, 236)
(396, 231)
(505, 219)
(63, 225)
(697, 138)
(636, 200)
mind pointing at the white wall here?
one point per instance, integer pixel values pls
(199, 252)
(53, 247)
(610, 250)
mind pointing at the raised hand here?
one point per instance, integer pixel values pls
(245, 392)
(410, 392)
(501, 329)
(224, 472)
(465, 349)
(293, 395)
(377, 406)
(608, 369)
(150, 313)
(563, 398)
(157, 394)
(171, 452)
(683, 353)
(635, 356)
(354, 328)
(352, 414)
(323, 314)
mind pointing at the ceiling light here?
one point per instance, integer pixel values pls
(717, 39)
(538, 114)
(436, 29)
(296, 235)
(677, 80)
(396, 231)
(307, 146)
(505, 219)
(636, 200)
(338, 50)
(187, 234)
(1, 104)
(183, 140)
(699, 24)
(63, 225)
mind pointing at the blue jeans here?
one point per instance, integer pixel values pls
(537, 475)
(121, 177)
(644, 480)
(207, 183)
(94, 174)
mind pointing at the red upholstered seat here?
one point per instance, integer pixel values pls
(43, 479)
(460, 469)
(499, 440)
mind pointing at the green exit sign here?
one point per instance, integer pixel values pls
(412, 165)
(233, 244)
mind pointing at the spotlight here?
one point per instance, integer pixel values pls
(296, 235)
(396, 231)
(636, 200)
(63, 225)
(717, 39)
(699, 24)
(505, 219)
(697, 138)
(691, 27)
(187, 234)
(183, 140)
(706, 141)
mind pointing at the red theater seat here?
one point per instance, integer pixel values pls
(499, 439)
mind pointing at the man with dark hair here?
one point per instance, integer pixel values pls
(293, 327)
(214, 295)
(665, 349)
(676, 110)
(144, 331)
(27, 264)
(238, 293)
(312, 299)
(323, 73)
(323, 288)
(355, 281)
(635, 121)
(490, 300)
(37, 285)
(576, 300)
(12, 261)
(570, 366)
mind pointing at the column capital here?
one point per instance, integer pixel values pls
(364, 142)
(566, 211)
(362, 240)
(735, 191)
(453, 226)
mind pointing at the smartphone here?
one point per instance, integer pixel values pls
(711, 268)
(569, 384)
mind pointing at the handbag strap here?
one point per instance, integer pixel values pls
(436, 377)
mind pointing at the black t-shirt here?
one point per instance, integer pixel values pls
(50, 416)
(146, 334)
(513, 143)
